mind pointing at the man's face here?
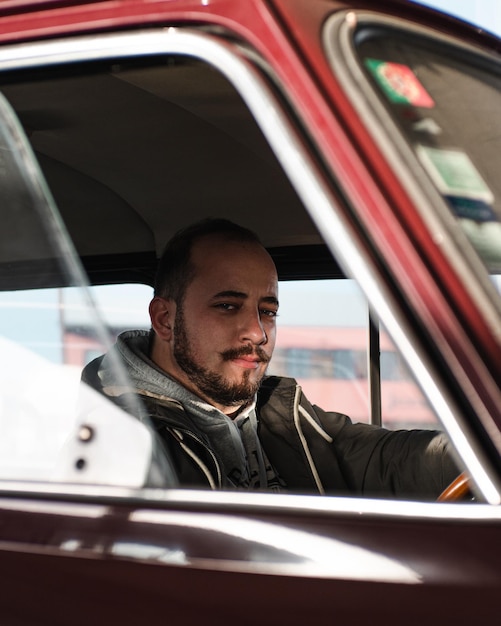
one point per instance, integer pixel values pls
(224, 328)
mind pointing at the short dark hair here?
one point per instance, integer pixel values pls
(175, 270)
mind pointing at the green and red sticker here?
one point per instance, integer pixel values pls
(399, 83)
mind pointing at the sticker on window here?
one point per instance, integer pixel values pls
(399, 83)
(454, 173)
(470, 209)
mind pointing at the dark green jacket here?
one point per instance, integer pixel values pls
(315, 450)
(312, 450)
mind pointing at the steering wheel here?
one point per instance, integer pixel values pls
(457, 490)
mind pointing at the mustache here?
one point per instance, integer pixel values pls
(236, 353)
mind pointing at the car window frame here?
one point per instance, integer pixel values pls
(240, 67)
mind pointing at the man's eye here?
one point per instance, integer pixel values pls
(269, 313)
(226, 306)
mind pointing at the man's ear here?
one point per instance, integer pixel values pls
(162, 314)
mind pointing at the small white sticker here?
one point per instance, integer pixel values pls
(454, 173)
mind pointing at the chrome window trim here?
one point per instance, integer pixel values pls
(299, 166)
(286, 547)
(93, 501)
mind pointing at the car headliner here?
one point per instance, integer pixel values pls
(132, 154)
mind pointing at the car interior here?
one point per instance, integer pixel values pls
(128, 153)
(131, 154)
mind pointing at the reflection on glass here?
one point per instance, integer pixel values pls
(447, 106)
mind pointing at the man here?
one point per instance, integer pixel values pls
(200, 373)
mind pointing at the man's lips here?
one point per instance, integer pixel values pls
(249, 362)
(246, 357)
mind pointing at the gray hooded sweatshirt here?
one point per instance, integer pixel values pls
(234, 441)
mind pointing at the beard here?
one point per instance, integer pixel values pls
(213, 385)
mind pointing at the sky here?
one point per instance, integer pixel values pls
(484, 13)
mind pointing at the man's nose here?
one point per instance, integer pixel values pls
(253, 329)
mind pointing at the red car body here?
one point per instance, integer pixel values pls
(113, 555)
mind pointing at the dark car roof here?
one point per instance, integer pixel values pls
(185, 148)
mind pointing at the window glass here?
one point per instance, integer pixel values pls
(122, 307)
(322, 341)
(319, 342)
(47, 336)
(446, 103)
(53, 324)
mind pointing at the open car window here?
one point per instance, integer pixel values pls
(130, 148)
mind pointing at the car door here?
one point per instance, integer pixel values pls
(88, 532)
